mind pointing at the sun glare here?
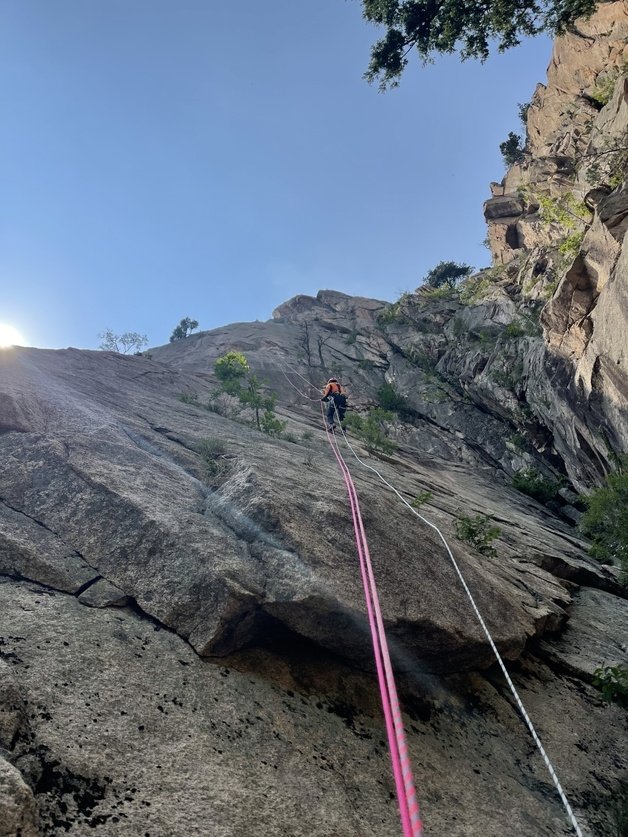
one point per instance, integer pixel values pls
(10, 336)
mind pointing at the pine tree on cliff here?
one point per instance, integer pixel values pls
(446, 26)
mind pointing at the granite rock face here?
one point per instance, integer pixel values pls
(169, 633)
(183, 641)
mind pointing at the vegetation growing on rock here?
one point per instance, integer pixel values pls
(612, 681)
(371, 429)
(606, 520)
(529, 481)
(391, 401)
(447, 274)
(185, 327)
(478, 532)
(241, 385)
(512, 149)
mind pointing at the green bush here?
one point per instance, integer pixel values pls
(478, 532)
(189, 398)
(529, 481)
(238, 382)
(514, 330)
(570, 245)
(476, 288)
(443, 292)
(606, 519)
(523, 112)
(270, 424)
(502, 378)
(518, 440)
(422, 498)
(422, 360)
(392, 313)
(603, 91)
(212, 450)
(389, 399)
(371, 429)
(612, 681)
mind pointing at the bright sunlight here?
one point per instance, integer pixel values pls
(10, 336)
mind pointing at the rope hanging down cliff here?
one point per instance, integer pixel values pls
(404, 783)
(411, 823)
(571, 816)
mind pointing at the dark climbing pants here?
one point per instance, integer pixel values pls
(340, 405)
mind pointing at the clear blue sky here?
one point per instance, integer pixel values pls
(164, 158)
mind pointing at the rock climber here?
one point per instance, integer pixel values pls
(336, 399)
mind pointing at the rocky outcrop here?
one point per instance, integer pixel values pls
(183, 643)
(145, 601)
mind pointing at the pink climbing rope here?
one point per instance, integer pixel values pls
(406, 794)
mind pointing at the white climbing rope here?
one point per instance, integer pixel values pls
(498, 657)
(570, 814)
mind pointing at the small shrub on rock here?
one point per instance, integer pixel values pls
(391, 400)
(212, 452)
(271, 425)
(421, 499)
(612, 681)
(603, 90)
(478, 532)
(606, 519)
(529, 481)
(371, 429)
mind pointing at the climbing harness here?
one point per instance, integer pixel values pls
(348, 481)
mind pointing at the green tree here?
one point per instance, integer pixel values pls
(444, 26)
(512, 149)
(234, 373)
(606, 519)
(252, 396)
(184, 329)
(447, 273)
(231, 369)
(122, 343)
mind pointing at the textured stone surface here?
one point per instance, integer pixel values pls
(17, 804)
(599, 636)
(185, 651)
(125, 718)
(214, 565)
